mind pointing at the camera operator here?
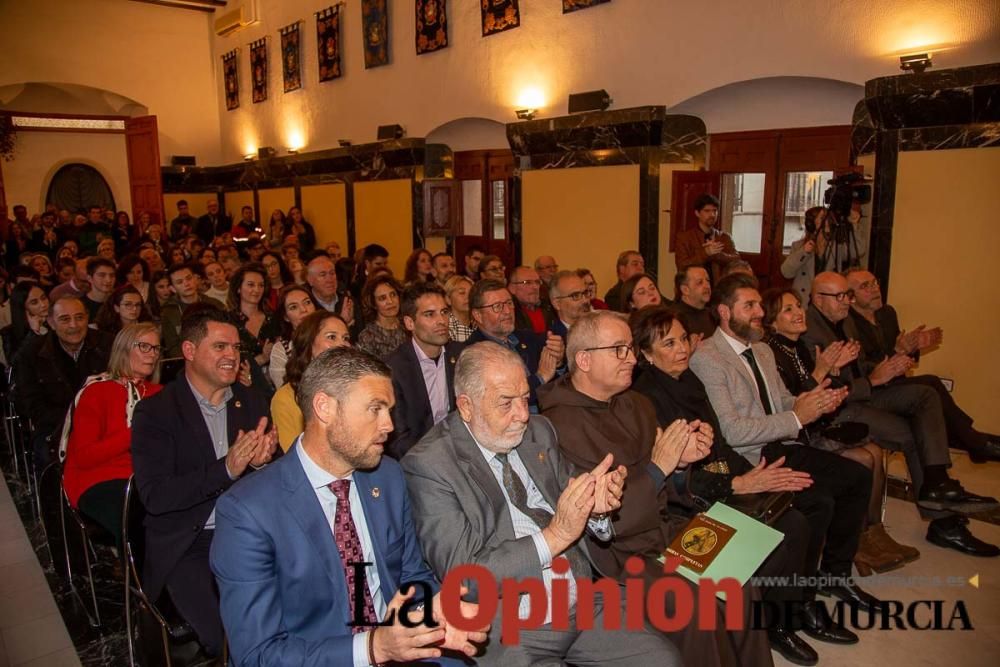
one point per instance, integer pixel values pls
(824, 248)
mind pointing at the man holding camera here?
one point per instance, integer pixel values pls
(826, 246)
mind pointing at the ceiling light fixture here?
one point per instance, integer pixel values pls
(526, 114)
(916, 63)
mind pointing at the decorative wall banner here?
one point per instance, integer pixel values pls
(258, 70)
(291, 62)
(499, 15)
(231, 78)
(432, 25)
(573, 5)
(328, 40)
(375, 32)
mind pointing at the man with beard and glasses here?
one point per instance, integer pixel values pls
(190, 443)
(423, 368)
(291, 539)
(490, 488)
(762, 421)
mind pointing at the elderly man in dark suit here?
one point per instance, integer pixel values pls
(190, 443)
(492, 308)
(489, 488)
(423, 368)
(907, 416)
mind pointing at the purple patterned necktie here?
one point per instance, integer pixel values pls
(349, 546)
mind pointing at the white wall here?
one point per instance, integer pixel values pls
(642, 51)
(157, 56)
(40, 154)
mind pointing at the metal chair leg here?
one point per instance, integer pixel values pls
(95, 620)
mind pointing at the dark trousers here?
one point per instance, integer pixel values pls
(193, 591)
(957, 422)
(103, 502)
(835, 504)
(787, 560)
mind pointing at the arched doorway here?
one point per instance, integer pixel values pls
(76, 187)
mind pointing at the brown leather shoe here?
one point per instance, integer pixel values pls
(871, 557)
(884, 542)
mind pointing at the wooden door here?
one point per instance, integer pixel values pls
(142, 146)
(688, 186)
(486, 178)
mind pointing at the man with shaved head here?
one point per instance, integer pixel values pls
(880, 336)
(532, 310)
(900, 416)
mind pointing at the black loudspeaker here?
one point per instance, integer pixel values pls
(182, 160)
(592, 100)
(265, 152)
(390, 132)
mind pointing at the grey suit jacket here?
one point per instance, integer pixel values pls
(819, 332)
(459, 508)
(732, 392)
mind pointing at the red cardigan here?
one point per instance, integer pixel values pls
(99, 442)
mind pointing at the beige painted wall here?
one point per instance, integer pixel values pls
(160, 57)
(325, 207)
(197, 203)
(40, 154)
(584, 217)
(947, 277)
(383, 214)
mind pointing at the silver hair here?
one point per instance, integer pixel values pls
(586, 332)
(554, 290)
(472, 368)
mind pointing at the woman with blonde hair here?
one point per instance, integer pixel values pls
(460, 324)
(96, 437)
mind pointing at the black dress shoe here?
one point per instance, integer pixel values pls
(949, 495)
(951, 533)
(819, 626)
(989, 452)
(791, 648)
(843, 589)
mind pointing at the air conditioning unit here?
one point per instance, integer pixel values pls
(237, 19)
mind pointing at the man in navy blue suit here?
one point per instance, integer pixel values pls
(287, 536)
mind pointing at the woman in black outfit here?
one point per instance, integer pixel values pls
(661, 345)
(802, 370)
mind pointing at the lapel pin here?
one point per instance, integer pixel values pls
(376, 492)
(541, 456)
(524, 346)
(451, 360)
(238, 404)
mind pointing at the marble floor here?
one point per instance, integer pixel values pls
(43, 621)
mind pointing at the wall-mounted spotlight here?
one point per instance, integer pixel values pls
(249, 156)
(265, 152)
(526, 114)
(916, 63)
(344, 143)
(592, 100)
(390, 132)
(292, 151)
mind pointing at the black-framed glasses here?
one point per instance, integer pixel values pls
(526, 282)
(574, 296)
(499, 306)
(840, 296)
(146, 348)
(621, 351)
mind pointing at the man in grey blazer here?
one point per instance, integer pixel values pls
(761, 419)
(900, 415)
(488, 487)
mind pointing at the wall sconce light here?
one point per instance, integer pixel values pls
(249, 156)
(526, 114)
(292, 151)
(916, 63)
(344, 143)
(265, 152)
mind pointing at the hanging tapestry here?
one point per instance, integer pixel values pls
(375, 32)
(231, 79)
(499, 15)
(258, 70)
(432, 26)
(573, 5)
(328, 40)
(291, 66)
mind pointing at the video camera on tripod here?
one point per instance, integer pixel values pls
(844, 192)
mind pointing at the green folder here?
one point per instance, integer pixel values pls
(752, 542)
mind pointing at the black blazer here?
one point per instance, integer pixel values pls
(529, 347)
(412, 416)
(177, 473)
(208, 228)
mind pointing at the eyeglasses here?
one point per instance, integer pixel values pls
(535, 283)
(495, 269)
(841, 297)
(146, 348)
(621, 351)
(573, 296)
(499, 306)
(869, 284)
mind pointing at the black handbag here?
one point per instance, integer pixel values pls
(766, 506)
